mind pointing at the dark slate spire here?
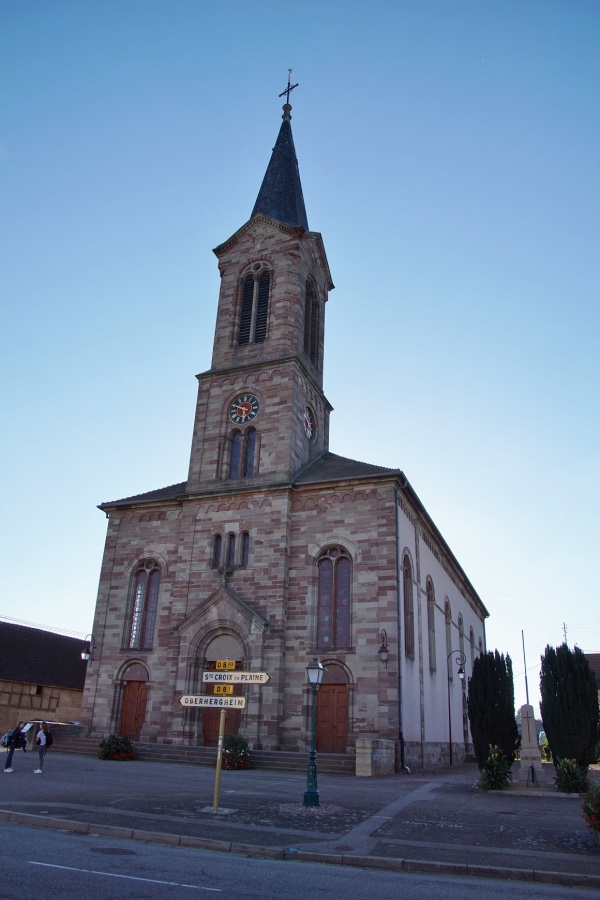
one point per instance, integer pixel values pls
(280, 195)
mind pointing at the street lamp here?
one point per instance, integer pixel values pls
(383, 650)
(460, 659)
(88, 651)
(314, 672)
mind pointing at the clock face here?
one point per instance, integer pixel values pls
(309, 425)
(244, 409)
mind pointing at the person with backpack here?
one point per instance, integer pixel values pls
(44, 741)
(16, 739)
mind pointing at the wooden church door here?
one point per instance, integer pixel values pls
(332, 712)
(223, 647)
(211, 719)
(135, 698)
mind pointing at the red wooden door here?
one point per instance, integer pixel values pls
(332, 718)
(135, 698)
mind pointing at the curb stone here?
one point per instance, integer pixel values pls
(253, 851)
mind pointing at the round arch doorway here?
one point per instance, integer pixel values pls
(135, 700)
(332, 711)
(225, 646)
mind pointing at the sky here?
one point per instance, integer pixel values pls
(449, 157)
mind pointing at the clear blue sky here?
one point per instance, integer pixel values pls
(449, 154)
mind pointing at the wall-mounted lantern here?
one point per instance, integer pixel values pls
(87, 652)
(383, 649)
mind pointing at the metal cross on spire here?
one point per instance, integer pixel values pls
(290, 87)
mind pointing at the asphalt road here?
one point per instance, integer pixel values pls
(46, 863)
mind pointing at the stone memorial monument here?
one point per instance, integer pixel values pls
(531, 772)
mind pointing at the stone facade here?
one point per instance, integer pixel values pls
(255, 598)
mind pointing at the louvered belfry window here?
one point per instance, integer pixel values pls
(146, 584)
(311, 323)
(255, 308)
(333, 606)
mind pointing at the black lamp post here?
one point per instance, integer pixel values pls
(314, 672)
(460, 659)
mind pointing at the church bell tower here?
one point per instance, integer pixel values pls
(261, 413)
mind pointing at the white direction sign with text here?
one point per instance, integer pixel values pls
(214, 701)
(236, 677)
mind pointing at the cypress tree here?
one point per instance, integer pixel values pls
(569, 705)
(491, 705)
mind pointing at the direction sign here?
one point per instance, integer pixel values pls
(236, 677)
(209, 700)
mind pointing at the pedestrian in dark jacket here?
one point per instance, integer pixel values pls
(15, 740)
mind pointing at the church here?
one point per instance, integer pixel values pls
(276, 551)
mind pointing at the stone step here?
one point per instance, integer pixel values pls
(333, 763)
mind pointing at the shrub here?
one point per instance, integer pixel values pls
(235, 752)
(116, 746)
(591, 809)
(496, 773)
(570, 778)
(569, 704)
(491, 706)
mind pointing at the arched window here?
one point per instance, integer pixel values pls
(249, 448)
(409, 610)
(461, 635)
(448, 618)
(245, 554)
(230, 551)
(472, 645)
(242, 453)
(146, 583)
(235, 453)
(255, 307)
(216, 551)
(333, 606)
(431, 624)
(480, 647)
(311, 322)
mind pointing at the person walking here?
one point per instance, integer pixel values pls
(15, 740)
(42, 742)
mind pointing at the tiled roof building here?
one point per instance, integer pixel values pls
(42, 675)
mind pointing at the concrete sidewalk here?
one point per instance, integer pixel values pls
(431, 823)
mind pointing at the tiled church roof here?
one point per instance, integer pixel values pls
(172, 492)
(331, 467)
(328, 467)
(34, 656)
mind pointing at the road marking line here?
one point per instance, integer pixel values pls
(197, 887)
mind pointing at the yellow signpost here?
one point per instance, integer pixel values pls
(223, 680)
